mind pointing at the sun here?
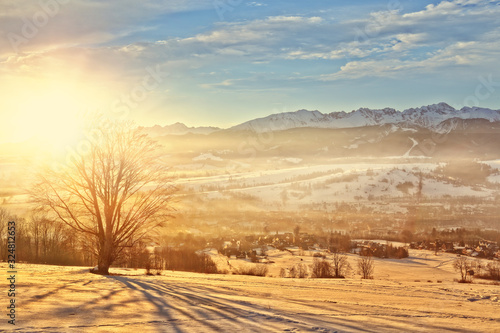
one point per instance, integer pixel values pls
(51, 116)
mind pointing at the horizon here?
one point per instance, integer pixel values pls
(215, 126)
(222, 63)
(225, 165)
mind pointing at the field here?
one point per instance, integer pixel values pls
(416, 294)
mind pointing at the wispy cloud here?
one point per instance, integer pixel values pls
(261, 49)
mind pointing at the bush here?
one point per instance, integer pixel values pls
(464, 267)
(319, 255)
(340, 265)
(185, 260)
(396, 252)
(298, 271)
(492, 271)
(405, 187)
(257, 270)
(321, 269)
(366, 267)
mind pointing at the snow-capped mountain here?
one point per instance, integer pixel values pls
(435, 117)
(429, 117)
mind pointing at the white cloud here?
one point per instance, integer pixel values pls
(60, 23)
(256, 4)
(225, 83)
(451, 33)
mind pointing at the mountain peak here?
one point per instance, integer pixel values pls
(177, 129)
(429, 116)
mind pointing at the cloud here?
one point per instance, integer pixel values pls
(256, 4)
(225, 83)
(32, 25)
(450, 34)
(470, 57)
(460, 33)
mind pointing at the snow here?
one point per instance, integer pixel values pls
(430, 117)
(337, 182)
(207, 156)
(294, 160)
(495, 164)
(494, 179)
(416, 294)
(415, 143)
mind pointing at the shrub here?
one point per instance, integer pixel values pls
(302, 271)
(366, 267)
(319, 255)
(257, 270)
(492, 271)
(396, 252)
(340, 265)
(321, 269)
(464, 267)
(298, 271)
(405, 187)
(185, 260)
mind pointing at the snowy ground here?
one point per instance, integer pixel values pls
(347, 182)
(416, 294)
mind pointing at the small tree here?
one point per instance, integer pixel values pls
(321, 269)
(298, 271)
(406, 236)
(437, 245)
(296, 234)
(493, 269)
(366, 267)
(464, 267)
(340, 265)
(293, 272)
(301, 271)
(4, 217)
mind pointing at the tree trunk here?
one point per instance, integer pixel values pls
(102, 268)
(105, 258)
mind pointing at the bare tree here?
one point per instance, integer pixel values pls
(321, 268)
(340, 265)
(4, 217)
(493, 269)
(366, 267)
(464, 267)
(296, 234)
(116, 193)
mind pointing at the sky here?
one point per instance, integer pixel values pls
(223, 62)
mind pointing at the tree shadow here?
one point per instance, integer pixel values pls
(225, 309)
(161, 304)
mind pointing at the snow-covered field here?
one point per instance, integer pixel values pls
(416, 294)
(346, 182)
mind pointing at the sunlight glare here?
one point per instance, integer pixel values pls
(52, 117)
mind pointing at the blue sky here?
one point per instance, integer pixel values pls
(222, 62)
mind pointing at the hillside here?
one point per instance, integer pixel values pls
(433, 117)
(423, 299)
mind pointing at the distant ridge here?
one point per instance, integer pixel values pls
(177, 129)
(429, 117)
(435, 117)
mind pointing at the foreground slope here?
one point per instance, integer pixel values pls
(69, 299)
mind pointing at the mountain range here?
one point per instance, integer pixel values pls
(177, 129)
(435, 117)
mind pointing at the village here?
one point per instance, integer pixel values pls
(254, 248)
